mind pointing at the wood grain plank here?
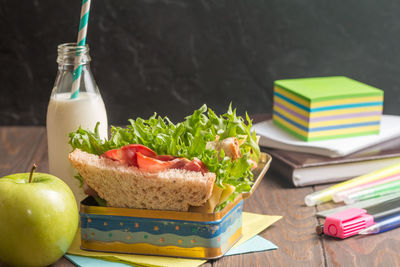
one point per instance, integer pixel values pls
(375, 250)
(19, 149)
(294, 234)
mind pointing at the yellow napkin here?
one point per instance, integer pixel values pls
(252, 225)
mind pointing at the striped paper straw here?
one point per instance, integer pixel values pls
(83, 23)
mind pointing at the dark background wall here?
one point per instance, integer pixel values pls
(171, 56)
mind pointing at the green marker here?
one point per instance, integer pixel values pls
(374, 192)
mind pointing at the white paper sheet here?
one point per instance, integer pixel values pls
(274, 137)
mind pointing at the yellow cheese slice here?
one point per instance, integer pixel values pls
(229, 189)
(209, 206)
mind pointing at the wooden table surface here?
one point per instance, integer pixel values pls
(294, 234)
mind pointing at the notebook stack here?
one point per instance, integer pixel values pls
(327, 108)
(343, 119)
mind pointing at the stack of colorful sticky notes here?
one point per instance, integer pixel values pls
(327, 107)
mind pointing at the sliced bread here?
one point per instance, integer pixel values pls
(127, 186)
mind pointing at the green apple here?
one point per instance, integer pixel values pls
(38, 219)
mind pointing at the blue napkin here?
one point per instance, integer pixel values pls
(255, 244)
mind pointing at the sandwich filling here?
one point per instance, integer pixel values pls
(146, 159)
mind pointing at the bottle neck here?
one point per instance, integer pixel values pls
(70, 54)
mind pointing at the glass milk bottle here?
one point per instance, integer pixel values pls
(66, 114)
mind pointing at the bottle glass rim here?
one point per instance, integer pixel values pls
(67, 53)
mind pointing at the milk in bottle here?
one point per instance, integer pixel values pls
(66, 114)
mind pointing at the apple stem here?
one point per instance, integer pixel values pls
(32, 171)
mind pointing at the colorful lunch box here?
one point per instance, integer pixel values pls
(165, 233)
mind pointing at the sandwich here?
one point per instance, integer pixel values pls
(200, 164)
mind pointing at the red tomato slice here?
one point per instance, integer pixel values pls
(127, 154)
(114, 154)
(152, 164)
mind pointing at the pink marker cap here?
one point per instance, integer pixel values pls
(347, 223)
